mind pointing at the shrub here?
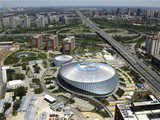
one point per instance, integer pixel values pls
(120, 92)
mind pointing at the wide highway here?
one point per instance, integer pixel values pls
(151, 77)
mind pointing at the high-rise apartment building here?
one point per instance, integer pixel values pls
(153, 44)
(68, 44)
(6, 21)
(52, 42)
(138, 12)
(36, 41)
(63, 19)
(1, 24)
(41, 22)
(15, 21)
(150, 13)
(27, 21)
(129, 12)
(159, 13)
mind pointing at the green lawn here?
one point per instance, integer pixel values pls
(18, 56)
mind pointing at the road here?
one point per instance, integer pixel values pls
(45, 90)
(78, 113)
(30, 34)
(101, 105)
(151, 77)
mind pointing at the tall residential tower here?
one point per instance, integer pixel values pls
(153, 44)
(36, 41)
(68, 45)
(52, 42)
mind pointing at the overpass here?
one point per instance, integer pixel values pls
(151, 77)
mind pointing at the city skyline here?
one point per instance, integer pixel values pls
(45, 3)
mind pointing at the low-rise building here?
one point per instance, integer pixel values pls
(57, 105)
(2, 101)
(49, 98)
(15, 84)
(147, 110)
(62, 59)
(6, 44)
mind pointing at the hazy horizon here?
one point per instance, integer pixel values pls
(50, 3)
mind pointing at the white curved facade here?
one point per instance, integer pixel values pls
(62, 59)
(96, 78)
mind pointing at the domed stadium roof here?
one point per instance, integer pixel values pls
(97, 78)
(62, 59)
(87, 72)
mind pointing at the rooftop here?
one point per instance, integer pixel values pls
(88, 72)
(52, 37)
(147, 110)
(154, 36)
(63, 58)
(68, 39)
(14, 82)
(157, 57)
(6, 42)
(37, 36)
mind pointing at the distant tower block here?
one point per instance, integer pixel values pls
(52, 42)
(36, 41)
(68, 45)
(27, 22)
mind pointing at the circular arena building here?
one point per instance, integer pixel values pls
(87, 78)
(62, 59)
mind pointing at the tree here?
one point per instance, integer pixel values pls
(2, 116)
(45, 64)
(36, 68)
(141, 95)
(16, 106)
(24, 67)
(6, 106)
(10, 74)
(38, 90)
(37, 81)
(14, 113)
(20, 76)
(21, 91)
(27, 70)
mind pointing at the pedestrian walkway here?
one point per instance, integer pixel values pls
(130, 87)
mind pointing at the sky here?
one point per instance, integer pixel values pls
(41, 3)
